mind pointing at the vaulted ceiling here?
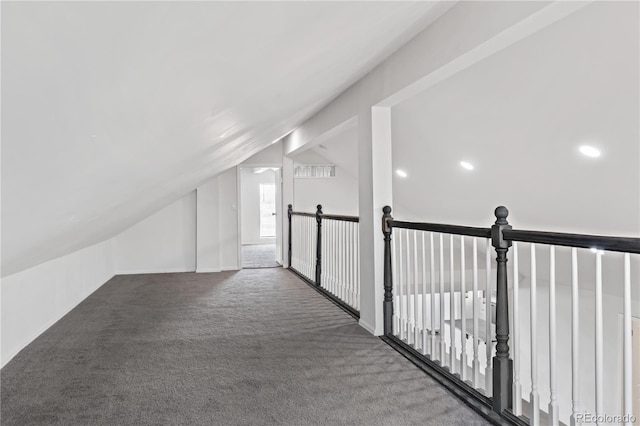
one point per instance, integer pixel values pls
(111, 110)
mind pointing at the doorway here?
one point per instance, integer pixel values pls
(260, 217)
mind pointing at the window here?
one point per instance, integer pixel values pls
(267, 210)
(314, 171)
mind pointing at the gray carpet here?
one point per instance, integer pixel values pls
(259, 256)
(254, 347)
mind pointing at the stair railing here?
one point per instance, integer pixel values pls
(449, 319)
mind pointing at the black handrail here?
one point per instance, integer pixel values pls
(303, 214)
(341, 217)
(600, 242)
(329, 216)
(445, 229)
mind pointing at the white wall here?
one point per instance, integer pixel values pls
(34, 299)
(338, 195)
(217, 223)
(250, 204)
(520, 116)
(163, 242)
(228, 225)
(207, 227)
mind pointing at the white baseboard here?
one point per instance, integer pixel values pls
(371, 329)
(229, 268)
(154, 271)
(207, 270)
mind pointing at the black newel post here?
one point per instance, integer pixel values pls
(502, 365)
(289, 211)
(319, 245)
(388, 280)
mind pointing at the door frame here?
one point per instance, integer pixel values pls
(279, 235)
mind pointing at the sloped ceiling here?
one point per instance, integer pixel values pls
(111, 110)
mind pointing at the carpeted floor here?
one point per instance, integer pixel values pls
(254, 347)
(259, 256)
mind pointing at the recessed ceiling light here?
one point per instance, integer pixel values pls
(466, 165)
(590, 151)
(401, 173)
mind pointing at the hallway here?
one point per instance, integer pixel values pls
(259, 256)
(232, 348)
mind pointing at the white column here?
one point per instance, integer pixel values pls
(375, 191)
(287, 198)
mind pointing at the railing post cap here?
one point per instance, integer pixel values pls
(497, 240)
(501, 213)
(386, 210)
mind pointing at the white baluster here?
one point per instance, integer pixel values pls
(476, 329)
(297, 245)
(452, 309)
(340, 294)
(305, 248)
(324, 251)
(300, 248)
(443, 345)
(354, 264)
(314, 246)
(599, 337)
(344, 260)
(349, 263)
(328, 266)
(425, 341)
(534, 398)
(463, 314)
(358, 266)
(294, 246)
(553, 399)
(416, 301)
(322, 248)
(400, 285)
(517, 387)
(575, 342)
(334, 258)
(628, 370)
(307, 245)
(311, 246)
(336, 285)
(394, 275)
(410, 323)
(432, 277)
(488, 371)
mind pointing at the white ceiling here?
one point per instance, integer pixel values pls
(111, 110)
(520, 117)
